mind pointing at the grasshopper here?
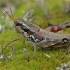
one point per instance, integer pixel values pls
(38, 36)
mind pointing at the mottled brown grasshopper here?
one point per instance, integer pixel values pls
(38, 36)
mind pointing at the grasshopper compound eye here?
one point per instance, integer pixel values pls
(17, 23)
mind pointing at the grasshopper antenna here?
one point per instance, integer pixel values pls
(9, 15)
(12, 14)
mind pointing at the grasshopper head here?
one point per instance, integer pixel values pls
(20, 22)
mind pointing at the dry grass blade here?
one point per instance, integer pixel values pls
(12, 41)
(47, 55)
